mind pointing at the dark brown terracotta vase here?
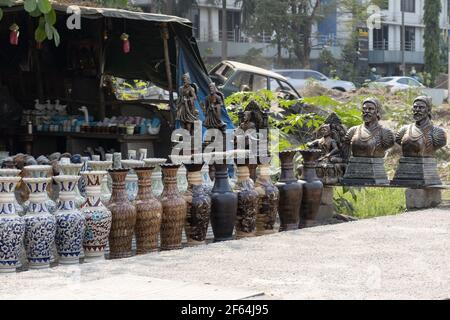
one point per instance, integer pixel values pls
(149, 213)
(291, 193)
(269, 197)
(199, 206)
(123, 217)
(224, 203)
(248, 203)
(312, 188)
(174, 209)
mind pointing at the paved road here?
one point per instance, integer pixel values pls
(401, 257)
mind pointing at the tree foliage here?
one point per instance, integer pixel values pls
(432, 10)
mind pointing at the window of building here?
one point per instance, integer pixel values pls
(408, 5)
(381, 38)
(410, 38)
(233, 25)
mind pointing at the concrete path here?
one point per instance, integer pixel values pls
(400, 257)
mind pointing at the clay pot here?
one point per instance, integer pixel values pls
(14, 173)
(73, 169)
(157, 184)
(199, 206)
(174, 209)
(123, 217)
(224, 203)
(41, 171)
(131, 181)
(248, 203)
(102, 166)
(269, 197)
(312, 188)
(149, 213)
(291, 193)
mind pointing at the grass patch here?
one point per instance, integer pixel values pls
(364, 203)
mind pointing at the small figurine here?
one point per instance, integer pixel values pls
(213, 109)
(187, 114)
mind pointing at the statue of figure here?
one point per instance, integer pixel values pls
(419, 142)
(213, 109)
(187, 114)
(368, 143)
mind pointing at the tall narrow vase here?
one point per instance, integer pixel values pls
(40, 225)
(12, 226)
(41, 171)
(199, 206)
(98, 217)
(70, 222)
(174, 209)
(291, 193)
(224, 205)
(248, 203)
(157, 184)
(312, 188)
(149, 213)
(123, 217)
(13, 173)
(74, 169)
(268, 201)
(103, 166)
(131, 181)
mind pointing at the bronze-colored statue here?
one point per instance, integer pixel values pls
(213, 109)
(368, 144)
(187, 114)
(419, 142)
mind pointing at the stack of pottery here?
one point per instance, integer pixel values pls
(131, 181)
(199, 206)
(268, 201)
(41, 171)
(123, 217)
(70, 222)
(149, 213)
(73, 169)
(174, 209)
(157, 184)
(102, 166)
(40, 225)
(12, 226)
(291, 193)
(13, 173)
(98, 217)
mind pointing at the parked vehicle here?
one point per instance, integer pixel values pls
(231, 77)
(299, 78)
(396, 83)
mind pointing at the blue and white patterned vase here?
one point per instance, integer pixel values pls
(69, 222)
(98, 217)
(73, 169)
(103, 166)
(40, 224)
(12, 226)
(40, 171)
(131, 182)
(13, 173)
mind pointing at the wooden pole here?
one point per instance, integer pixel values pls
(165, 37)
(101, 60)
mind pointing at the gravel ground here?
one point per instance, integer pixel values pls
(399, 257)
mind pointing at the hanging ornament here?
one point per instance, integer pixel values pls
(125, 43)
(14, 34)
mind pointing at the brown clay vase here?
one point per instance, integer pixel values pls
(174, 209)
(149, 213)
(199, 206)
(291, 193)
(312, 188)
(123, 217)
(269, 197)
(248, 203)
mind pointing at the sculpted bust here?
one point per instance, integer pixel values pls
(370, 139)
(421, 139)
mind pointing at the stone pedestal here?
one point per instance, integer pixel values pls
(423, 198)
(417, 172)
(326, 210)
(362, 171)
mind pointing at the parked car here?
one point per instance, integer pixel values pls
(299, 77)
(231, 77)
(396, 83)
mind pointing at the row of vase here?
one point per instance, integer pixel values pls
(249, 208)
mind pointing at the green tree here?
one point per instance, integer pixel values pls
(328, 63)
(432, 10)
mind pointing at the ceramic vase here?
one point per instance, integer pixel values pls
(41, 171)
(70, 222)
(12, 226)
(14, 173)
(199, 206)
(74, 169)
(149, 213)
(131, 181)
(207, 182)
(174, 209)
(123, 217)
(224, 203)
(40, 225)
(248, 203)
(312, 188)
(103, 166)
(157, 184)
(98, 217)
(268, 201)
(291, 193)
